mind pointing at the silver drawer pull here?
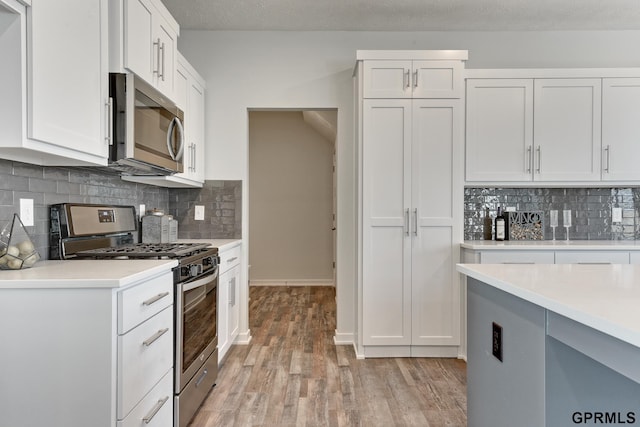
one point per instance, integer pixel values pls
(201, 378)
(155, 299)
(155, 410)
(155, 337)
(518, 262)
(232, 259)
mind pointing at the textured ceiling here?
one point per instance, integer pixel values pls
(406, 15)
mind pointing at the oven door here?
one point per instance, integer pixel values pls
(196, 326)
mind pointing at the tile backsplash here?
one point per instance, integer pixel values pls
(591, 210)
(50, 185)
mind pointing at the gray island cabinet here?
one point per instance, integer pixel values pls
(553, 345)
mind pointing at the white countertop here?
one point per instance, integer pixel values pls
(84, 274)
(623, 245)
(603, 297)
(221, 244)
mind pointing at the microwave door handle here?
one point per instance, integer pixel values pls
(180, 135)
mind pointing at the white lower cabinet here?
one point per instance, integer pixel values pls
(517, 257)
(228, 299)
(84, 356)
(592, 257)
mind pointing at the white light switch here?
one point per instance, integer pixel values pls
(616, 214)
(142, 210)
(26, 212)
(199, 216)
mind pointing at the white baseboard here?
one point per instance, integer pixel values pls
(243, 338)
(341, 338)
(291, 283)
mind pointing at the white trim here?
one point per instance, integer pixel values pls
(243, 338)
(412, 55)
(523, 73)
(292, 282)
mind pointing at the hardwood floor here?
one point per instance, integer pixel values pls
(291, 374)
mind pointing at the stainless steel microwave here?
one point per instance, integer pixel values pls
(147, 134)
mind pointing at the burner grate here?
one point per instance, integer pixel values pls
(146, 250)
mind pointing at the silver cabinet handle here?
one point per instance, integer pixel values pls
(407, 78)
(415, 223)
(415, 79)
(147, 419)
(529, 160)
(539, 150)
(406, 221)
(193, 156)
(155, 298)
(156, 45)
(232, 292)
(232, 259)
(608, 152)
(162, 49)
(153, 338)
(109, 134)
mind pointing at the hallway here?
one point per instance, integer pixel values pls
(291, 374)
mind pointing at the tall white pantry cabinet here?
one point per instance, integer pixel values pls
(410, 128)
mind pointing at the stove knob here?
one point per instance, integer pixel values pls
(193, 270)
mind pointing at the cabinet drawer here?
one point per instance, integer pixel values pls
(144, 355)
(592, 257)
(634, 257)
(156, 409)
(516, 257)
(229, 258)
(137, 304)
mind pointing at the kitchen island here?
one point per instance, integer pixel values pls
(553, 345)
(87, 343)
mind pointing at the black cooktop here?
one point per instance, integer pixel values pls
(146, 250)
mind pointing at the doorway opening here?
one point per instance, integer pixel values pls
(292, 197)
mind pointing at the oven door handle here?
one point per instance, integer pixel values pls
(200, 282)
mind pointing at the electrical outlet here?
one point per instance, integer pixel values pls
(199, 215)
(497, 341)
(616, 214)
(26, 212)
(510, 209)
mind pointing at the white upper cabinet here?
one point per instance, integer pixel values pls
(620, 129)
(533, 130)
(396, 78)
(499, 129)
(56, 82)
(567, 129)
(144, 40)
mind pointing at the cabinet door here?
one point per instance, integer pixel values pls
(567, 129)
(386, 193)
(223, 314)
(234, 307)
(499, 129)
(621, 129)
(139, 51)
(195, 158)
(68, 67)
(437, 79)
(166, 50)
(434, 295)
(387, 79)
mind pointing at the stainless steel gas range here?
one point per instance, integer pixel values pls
(81, 231)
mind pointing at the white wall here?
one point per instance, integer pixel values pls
(290, 199)
(313, 69)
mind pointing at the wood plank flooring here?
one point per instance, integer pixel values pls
(291, 374)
